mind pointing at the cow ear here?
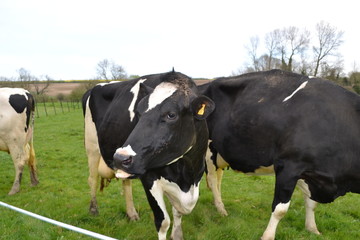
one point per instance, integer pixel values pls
(145, 90)
(202, 106)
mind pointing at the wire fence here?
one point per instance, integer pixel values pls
(53, 107)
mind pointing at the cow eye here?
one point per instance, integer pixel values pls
(171, 116)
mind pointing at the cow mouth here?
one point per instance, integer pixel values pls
(123, 175)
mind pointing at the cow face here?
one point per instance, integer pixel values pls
(169, 119)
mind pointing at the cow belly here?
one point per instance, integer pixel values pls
(323, 188)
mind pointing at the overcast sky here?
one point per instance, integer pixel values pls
(66, 39)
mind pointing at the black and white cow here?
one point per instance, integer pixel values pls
(152, 128)
(305, 130)
(16, 132)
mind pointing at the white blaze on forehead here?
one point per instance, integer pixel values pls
(161, 92)
(126, 151)
(298, 89)
(135, 91)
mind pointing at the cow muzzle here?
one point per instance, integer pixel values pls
(123, 160)
(123, 175)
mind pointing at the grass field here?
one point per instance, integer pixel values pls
(63, 195)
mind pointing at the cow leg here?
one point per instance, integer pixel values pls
(19, 158)
(284, 188)
(93, 162)
(155, 196)
(213, 179)
(176, 233)
(130, 209)
(310, 223)
(310, 206)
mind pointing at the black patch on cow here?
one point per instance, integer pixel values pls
(18, 102)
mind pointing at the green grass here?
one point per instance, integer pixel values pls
(63, 195)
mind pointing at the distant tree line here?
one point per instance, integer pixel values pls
(296, 50)
(106, 70)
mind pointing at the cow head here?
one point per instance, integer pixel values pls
(170, 117)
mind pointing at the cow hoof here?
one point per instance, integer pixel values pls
(133, 217)
(94, 211)
(315, 231)
(33, 184)
(13, 192)
(223, 213)
(221, 209)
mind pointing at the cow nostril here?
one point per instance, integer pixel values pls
(124, 160)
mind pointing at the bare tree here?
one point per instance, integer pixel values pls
(272, 42)
(41, 87)
(329, 40)
(332, 70)
(25, 78)
(298, 42)
(103, 69)
(108, 70)
(117, 72)
(252, 49)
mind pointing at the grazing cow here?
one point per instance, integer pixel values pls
(152, 128)
(305, 130)
(16, 132)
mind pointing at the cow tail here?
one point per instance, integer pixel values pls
(32, 159)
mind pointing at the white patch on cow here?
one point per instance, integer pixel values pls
(7, 92)
(184, 202)
(310, 206)
(107, 83)
(121, 174)
(304, 187)
(135, 91)
(126, 151)
(161, 92)
(276, 216)
(298, 89)
(176, 159)
(157, 192)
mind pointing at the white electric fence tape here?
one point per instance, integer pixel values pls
(64, 225)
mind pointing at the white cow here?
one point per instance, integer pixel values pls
(16, 132)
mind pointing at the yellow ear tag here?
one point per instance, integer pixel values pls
(201, 110)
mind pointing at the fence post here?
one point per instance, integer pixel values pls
(52, 101)
(45, 107)
(37, 110)
(62, 109)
